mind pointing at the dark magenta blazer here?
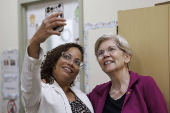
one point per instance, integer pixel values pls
(142, 96)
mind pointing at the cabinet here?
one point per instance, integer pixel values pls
(148, 32)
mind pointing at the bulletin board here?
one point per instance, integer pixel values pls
(10, 81)
(92, 71)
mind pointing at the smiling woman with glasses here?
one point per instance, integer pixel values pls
(68, 58)
(126, 92)
(48, 86)
(109, 50)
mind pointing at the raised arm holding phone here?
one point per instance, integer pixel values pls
(59, 70)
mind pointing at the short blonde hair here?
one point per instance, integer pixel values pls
(121, 43)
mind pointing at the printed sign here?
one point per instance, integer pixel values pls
(10, 76)
(11, 107)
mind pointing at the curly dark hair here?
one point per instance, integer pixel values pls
(52, 57)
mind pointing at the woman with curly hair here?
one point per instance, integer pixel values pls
(59, 70)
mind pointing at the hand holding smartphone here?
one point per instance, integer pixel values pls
(55, 9)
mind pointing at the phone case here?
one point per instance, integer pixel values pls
(54, 9)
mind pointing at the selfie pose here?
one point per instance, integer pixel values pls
(59, 69)
(126, 92)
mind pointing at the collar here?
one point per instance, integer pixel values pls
(104, 88)
(133, 79)
(77, 92)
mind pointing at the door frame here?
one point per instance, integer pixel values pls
(22, 33)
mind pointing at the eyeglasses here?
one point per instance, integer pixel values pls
(66, 57)
(110, 50)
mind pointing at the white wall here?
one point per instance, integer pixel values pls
(9, 25)
(8, 29)
(94, 11)
(105, 11)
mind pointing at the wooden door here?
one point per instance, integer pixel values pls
(147, 31)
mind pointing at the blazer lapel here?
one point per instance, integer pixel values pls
(133, 79)
(102, 93)
(57, 88)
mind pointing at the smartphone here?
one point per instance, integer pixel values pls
(55, 9)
